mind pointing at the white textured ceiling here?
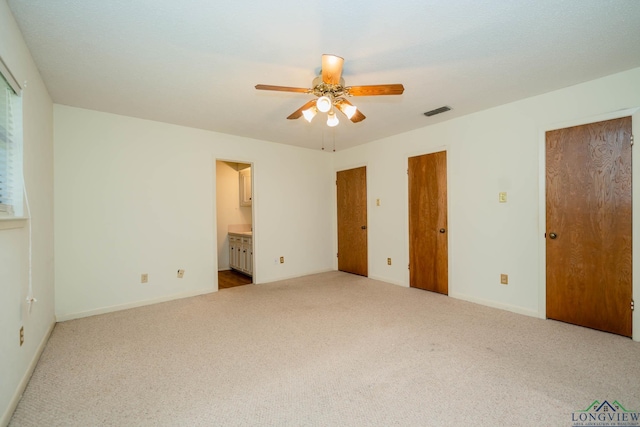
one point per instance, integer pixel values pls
(196, 62)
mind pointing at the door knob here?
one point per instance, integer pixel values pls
(364, 227)
(442, 230)
(553, 235)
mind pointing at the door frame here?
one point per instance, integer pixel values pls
(450, 240)
(254, 209)
(542, 225)
(335, 212)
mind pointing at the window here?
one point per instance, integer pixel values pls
(10, 144)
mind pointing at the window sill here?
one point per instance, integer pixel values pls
(9, 222)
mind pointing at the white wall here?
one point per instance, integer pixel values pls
(488, 152)
(136, 196)
(228, 209)
(16, 362)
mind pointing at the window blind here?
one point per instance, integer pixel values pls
(6, 124)
(10, 145)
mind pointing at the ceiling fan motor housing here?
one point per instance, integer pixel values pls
(321, 88)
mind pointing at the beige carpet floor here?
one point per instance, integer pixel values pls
(331, 349)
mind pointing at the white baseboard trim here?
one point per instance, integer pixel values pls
(13, 404)
(387, 280)
(277, 279)
(110, 309)
(494, 304)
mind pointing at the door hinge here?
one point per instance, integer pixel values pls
(633, 305)
(408, 266)
(632, 140)
(337, 254)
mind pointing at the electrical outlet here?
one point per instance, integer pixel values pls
(388, 261)
(504, 279)
(144, 278)
(281, 260)
(180, 274)
(21, 335)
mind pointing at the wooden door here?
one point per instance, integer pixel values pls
(588, 236)
(352, 221)
(428, 242)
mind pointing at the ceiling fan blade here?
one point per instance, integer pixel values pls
(298, 113)
(373, 90)
(283, 88)
(343, 105)
(331, 69)
(357, 117)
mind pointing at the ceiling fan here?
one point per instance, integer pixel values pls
(331, 91)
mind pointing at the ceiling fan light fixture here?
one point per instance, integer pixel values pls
(310, 113)
(323, 104)
(332, 119)
(348, 110)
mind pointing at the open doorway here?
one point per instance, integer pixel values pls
(234, 223)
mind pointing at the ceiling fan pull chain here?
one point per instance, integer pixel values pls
(334, 139)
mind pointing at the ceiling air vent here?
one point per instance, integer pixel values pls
(437, 111)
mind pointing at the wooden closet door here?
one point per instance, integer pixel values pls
(588, 216)
(352, 221)
(428, 241)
